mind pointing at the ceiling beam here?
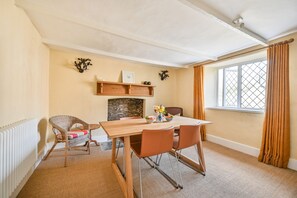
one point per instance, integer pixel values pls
(225, 21)
(65, 45)
(100, 27)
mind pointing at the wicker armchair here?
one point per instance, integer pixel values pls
(69, 130)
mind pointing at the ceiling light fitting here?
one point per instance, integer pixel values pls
(238, 22)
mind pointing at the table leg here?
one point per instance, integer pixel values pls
(197, 166)
(129, 178)
(201, 156)
(113, 151)
(116, 169)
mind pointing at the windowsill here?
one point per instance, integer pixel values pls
(237, 110)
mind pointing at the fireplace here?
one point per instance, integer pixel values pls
(125, 107)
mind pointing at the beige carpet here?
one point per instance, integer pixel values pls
(229, 174)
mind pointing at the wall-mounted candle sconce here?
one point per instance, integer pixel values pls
(164, 74)
(82, 64)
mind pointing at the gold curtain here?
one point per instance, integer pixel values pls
(275, 148)
(199, 112)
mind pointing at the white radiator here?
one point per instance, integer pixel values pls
(18, 154)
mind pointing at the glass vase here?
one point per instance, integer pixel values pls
(159, 117)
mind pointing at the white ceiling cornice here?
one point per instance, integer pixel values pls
(63, 44)
(283, 35)
(215, 15)
(22, 4)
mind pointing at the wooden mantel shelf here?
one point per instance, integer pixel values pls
(124, 89)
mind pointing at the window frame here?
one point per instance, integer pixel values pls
(239, 84)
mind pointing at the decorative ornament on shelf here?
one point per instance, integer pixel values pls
(147, 83)
(160, 110)
(164, 74)
(128, 77)
(82, 64)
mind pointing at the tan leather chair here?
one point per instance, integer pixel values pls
(178, 111)
(174, 111)
(153, 142)
(189, 135)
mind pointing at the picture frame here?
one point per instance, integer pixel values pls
(128, 77)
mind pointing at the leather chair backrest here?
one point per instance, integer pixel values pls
(174, 110)
(155, 142)
(189, 135)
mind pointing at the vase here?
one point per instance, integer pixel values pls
(159, 117)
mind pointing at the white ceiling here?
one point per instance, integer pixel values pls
(163, 32)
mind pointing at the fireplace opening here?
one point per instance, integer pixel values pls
(125, 107)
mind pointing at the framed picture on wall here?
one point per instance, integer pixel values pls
(128, 77)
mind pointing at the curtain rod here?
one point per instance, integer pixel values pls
(247, 52)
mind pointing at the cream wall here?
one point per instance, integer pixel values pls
(185, 87)
(24, 69)
(74, 93)
(293, 94)
(241, 127)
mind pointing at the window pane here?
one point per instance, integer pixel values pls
(253, 85)
(220, 87)
(231, 86)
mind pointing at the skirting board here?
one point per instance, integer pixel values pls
(292, 164)
(244, 148)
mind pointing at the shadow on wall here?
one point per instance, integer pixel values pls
(42, 129)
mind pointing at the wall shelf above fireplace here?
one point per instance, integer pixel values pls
(124, 89)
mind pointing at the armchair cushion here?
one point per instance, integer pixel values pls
(76, 133)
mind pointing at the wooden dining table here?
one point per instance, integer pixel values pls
(127, 128)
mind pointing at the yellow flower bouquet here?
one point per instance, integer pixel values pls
(160, 110)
